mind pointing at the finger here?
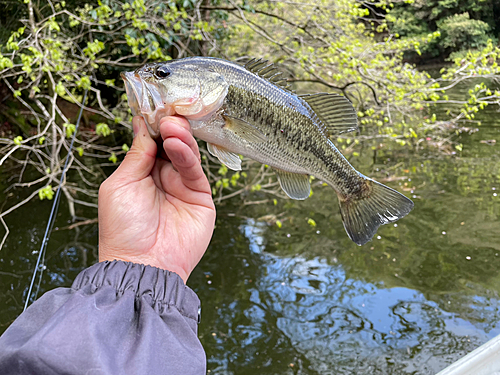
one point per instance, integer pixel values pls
(178, 120)
(141, 157)
(186, 163)
(178, 127)
(176, 189)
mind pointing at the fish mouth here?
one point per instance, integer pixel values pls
(144, 99)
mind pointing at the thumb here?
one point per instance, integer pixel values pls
(141, 157)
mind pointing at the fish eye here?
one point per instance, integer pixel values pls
(162, 72)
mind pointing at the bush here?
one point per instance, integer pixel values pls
(54, 53)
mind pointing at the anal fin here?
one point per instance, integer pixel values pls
(226, 157)
(295, 185)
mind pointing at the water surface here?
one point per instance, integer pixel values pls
(304, 299)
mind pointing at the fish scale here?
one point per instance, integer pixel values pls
(300, 133)
(248, 110)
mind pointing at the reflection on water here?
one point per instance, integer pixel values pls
(306, 300)
(303, 299)
(321, 321)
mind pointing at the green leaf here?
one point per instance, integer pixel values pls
(53, 25)
(83, 83)
(60, 89)
(102, 129)
(5, 62)
(70, 129)
(311, 222)
(46, 193)
(93, 48)
(256, 187)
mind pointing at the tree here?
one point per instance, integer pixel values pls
(462, 24)
(58, 51)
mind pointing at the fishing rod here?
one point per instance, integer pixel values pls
(53, 211)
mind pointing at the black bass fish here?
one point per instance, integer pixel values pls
(249, 110)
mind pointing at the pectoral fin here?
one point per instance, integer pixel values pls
(243, 129)
(296, 186)
(228, 158)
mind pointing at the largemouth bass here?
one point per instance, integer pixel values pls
(249, 110)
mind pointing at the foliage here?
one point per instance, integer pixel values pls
(462, 24)
(342, 47)
(460, 32)
(56, 51)
(46, 193)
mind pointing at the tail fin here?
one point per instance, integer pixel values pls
(378, 205)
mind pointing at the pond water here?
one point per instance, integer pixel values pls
(303, 299)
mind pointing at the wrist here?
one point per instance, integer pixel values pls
(147, 261)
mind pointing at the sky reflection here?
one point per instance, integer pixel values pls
(342, 324)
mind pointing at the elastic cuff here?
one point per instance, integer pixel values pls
(156, 286)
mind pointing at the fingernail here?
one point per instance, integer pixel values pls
(136, 128)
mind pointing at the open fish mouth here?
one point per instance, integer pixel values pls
(145, 100)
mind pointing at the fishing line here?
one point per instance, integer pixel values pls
(53, 211)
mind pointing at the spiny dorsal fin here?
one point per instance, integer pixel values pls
(335, 111)
(268, 71)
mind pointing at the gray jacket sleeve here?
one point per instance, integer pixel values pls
(117, 318)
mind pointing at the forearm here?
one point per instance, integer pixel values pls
(118, 318)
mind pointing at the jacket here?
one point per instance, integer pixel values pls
(117, 318)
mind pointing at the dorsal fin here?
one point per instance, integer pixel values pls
(335, 111)
(269, 72)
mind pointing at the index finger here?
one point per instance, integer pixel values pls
(178, 127)
(178, 120)
(182, 150)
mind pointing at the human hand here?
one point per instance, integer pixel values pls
(156, 211)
